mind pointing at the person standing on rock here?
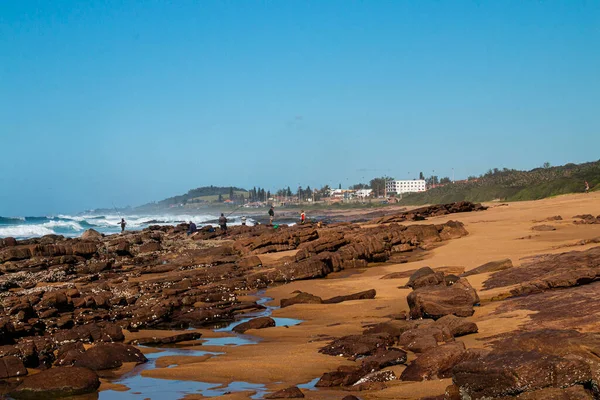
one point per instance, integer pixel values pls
(223, 223)
(271, 215)
(123, 223)
(192, 228)
(302, 217)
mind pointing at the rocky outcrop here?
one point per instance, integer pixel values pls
(422, 213)
(425, 277)
(357, 345)
(301, 298)
(550, 271)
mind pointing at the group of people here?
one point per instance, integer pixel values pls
(223, 221)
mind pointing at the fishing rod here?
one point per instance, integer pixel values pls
(235, 210)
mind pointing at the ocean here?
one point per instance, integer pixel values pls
(75, 225)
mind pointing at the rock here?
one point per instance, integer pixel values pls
(150, 247)
(571, 393)
(356, 345)
(8, 242)
(437, 301)
(377, 376)
(424, 338)
(255, 323)
(91, 234)
(11, 366)
(57, 382)
(345, 375)
(456, 325)
(68, 354)
(350, 397)
(386, 357)
(550, 271)
(425, 277)
(182, 337)
(543, 228)
(395, 328)
(301, 298)
(367, 294)
(109, 355)
(492, 266)
(288, 393)
(506, 373)
(249, 262)
(422, 213)
(435, 363)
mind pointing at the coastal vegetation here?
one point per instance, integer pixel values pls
(513, 185)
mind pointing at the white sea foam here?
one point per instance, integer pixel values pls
(62, 224)
(24, 231)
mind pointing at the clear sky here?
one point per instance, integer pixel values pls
(126, 102)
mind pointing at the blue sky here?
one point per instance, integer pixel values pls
(127, 102)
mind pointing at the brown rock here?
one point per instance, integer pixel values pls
(435, 363)
(11, 366)
(570, 393)
(301, 298)
(367, 294)
(386, 357)
(437, 301)
(425, 277)
(424, 338)
(57, 382)
(91, 234)
(288, 393)
(542, 228)
(109, 355)
(356, 345)
(511, 372)
(492, 266)
(255, 323)
(456, 325)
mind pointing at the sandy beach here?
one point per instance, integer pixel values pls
(289, 356)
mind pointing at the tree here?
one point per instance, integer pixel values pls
(445, 180)
(546, 165)
(340, 186)
(359, 186)
(268, 194)
(220, 200)
(378, 184)
(288, 192)
(231, 193)
(421, 176)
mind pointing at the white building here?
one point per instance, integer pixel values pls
(408, 186)
(363, 193)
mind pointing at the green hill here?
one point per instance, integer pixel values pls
(513, 185)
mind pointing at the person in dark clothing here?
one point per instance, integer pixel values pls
(123, 223)
(223, 223)
(271, 215)
(192, 228)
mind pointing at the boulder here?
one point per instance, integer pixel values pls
(57, 382)
(109, 355)
(150, 247)
(288, 393)
(386, 357)
(492, 266)
(424, 338)
(456, 325)
(571, 393)
(437, 301)
(425, 277)
(255, 323)
(301, 298)
(11, 366)
(357, 345)
(91, 234)
(435, 363)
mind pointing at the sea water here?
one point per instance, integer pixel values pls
(75, 225)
